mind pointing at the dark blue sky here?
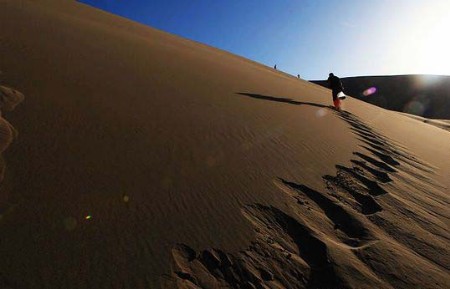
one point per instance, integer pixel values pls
(308, 37)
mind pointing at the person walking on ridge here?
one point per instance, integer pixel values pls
(335, 84)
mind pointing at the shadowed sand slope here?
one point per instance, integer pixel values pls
(145, 160)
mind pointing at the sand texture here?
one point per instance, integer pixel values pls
(145, 160)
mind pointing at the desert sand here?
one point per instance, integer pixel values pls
(139, 159)
(441, 123)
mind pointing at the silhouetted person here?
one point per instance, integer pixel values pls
(275, 67)
(335, 84)
(298, 76)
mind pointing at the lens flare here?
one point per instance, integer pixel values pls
(414, 107)
(321, 112)
(370, 91)
(88, 217)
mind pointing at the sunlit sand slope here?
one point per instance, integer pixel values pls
(145, 160)
(441, 123)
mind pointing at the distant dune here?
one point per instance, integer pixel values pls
(422, 95)
(145, 160)
(441, 123)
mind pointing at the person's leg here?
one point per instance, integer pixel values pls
(334, 93)
(337, 103)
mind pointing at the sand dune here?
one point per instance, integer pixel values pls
(422, 95)
(441, 123)
(150, 161)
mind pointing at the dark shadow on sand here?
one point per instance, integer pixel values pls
(281, 99)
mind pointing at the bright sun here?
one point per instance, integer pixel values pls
(428, 46)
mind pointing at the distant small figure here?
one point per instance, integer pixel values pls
(335, 84)
(298, 76)
(275, 67)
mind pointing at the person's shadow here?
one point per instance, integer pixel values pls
(281, 99)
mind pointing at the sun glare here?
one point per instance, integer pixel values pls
(435, 49)
(418, 41)
(428, 50)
